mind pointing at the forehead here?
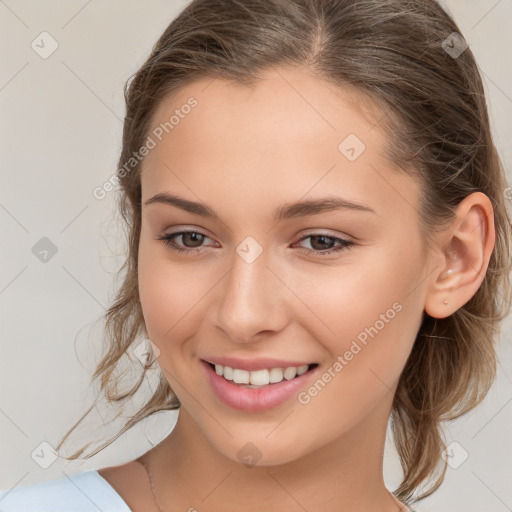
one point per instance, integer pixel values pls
(291, 98)
(289, 135)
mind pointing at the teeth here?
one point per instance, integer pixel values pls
(240, 376)
(258, 378)
(227, 372)
(276, 375)
(302, 369)
(290, 372)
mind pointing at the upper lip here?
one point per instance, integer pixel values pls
(260, 363)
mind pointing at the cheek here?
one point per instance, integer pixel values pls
(173, 296)
(375, 325)
(167, 292)
(372, 307)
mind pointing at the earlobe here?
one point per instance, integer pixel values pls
(465, 249)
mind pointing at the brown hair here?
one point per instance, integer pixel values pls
(393, 52)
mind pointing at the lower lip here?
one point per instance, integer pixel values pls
(254, 400)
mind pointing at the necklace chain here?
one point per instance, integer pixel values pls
(146, 467)
(401, 508)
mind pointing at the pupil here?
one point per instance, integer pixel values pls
(323, 239)
(197, 238)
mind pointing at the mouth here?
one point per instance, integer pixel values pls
(260, 389)
(257, 379)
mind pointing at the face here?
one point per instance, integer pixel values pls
(336, 288)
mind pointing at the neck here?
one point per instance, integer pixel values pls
(189, 473)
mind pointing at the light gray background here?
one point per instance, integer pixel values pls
(60, 130)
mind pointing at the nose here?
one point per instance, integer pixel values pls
(253, 301)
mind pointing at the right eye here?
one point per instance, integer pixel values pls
(193, 237)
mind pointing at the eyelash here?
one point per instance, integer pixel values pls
(168, 240)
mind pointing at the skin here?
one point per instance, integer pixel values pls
(244, 153)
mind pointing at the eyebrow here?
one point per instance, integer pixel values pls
(287, 211)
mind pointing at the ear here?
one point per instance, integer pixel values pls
(463, 251)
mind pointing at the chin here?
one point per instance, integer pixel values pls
(263, 452)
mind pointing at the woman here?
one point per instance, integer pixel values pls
(318, 245)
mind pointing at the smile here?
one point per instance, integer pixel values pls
(260, 389)
(259, 378)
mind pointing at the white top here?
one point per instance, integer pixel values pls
(83, 492)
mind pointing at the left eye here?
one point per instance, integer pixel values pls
(195, 238)
(320, 239)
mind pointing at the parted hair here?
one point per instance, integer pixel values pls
(396, 53)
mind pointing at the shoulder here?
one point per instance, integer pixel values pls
(83, 492)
